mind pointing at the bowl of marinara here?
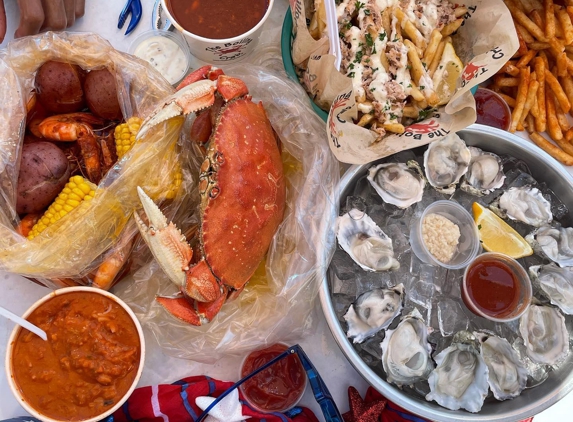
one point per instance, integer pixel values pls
(90, 364)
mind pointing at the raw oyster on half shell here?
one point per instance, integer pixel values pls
(557, 283)
(526, 204)
(507, 375)
(398, 183)
(485, 173)
(460, 379)
(373, 311)
(544, 333)
(365, 242)
(406, 351)
(554, 243)
(445, 162)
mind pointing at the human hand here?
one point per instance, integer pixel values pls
(43, 15)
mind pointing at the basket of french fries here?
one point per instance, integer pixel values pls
(398, 75)
(537, 83)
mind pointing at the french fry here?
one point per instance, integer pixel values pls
(538, 18)
(432, 48)
(437, 58)
(526, 58)
(530, 124)
(549, 19)
(527, 37)
(520, 99)
(541, 118)
(530, 99)
(417, 70)
(411, 112)
(524, 20)
(553, 128)
(567, 85)
(387, 21)
(365, 120)
(460, 11)
(562, 119)
(553, 83)
(409, 29)
(416, 93)
(509, 100)
(503, 81)
(551, 149)
(527, 6)
(394, 127)
(452, 27)
(539, 46)
(569, 135)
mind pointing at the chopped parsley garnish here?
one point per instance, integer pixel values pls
(351, 66)
(422, 87)
(409, 85)
(358, 5)
(425, 113)
(369, 40)
(348, 25)
(393, 116)
(372, 89)
(382, 36)
(351, 74)
(479, 226)
(367, 12)
(359, 55)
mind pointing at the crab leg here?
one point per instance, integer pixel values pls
(192, 312)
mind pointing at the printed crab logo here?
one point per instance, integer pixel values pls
(230, 51)
(338, 103)
(471, 71)
(423, 128)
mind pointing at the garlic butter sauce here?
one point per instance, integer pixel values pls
(165, 55)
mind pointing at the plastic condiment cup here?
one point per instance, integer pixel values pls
(166, 51)
(498, 111)
(227, 50)
(523, 282)
(12, 340)
(468, 246)
(250, 401)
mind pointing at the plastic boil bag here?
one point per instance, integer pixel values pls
(277, 303)
(73, 250)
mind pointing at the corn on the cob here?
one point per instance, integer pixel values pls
(125, 135)
(76, 191)
(175, 184)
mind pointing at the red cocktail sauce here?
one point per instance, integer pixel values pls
(278, 387)
(493, 287)
(491, 109)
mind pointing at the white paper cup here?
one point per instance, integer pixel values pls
(10, 349)
(228, 50)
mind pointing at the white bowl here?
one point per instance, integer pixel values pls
(16, 331)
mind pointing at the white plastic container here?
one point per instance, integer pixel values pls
(468, 246)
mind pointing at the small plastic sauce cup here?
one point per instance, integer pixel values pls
(279, 387)
(491, 109)
(495, 286)
(468, 246)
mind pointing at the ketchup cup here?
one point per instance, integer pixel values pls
(495, 286)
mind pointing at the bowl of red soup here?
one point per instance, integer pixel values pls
(221, 31)
(90, 364)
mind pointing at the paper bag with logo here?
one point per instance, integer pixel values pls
(484, 43)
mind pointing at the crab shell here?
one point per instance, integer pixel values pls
(242, 190)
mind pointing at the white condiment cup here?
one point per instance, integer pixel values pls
(171, 69)
(468, 246)
(228, 50)
(10, 349)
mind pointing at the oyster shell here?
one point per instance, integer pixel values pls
(485, 173)
(526, 204)
(460, 379)
(554, 243)
(373, 311)
(507, 375)
(406, 351)
(397, 183)
(557, 283)
(365, 242)
(544, 334)
(445, 162)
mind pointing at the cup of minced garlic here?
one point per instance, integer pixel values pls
(445, 235)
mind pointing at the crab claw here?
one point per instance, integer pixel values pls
(190, 99)
(192, 311)
(165, 240)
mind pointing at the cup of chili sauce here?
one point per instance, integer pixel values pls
(90, 364)
(221, 31)
(495, 286)
(277, 388)
(491, 109)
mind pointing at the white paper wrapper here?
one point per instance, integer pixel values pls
(484, 43)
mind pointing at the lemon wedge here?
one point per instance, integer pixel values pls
(498, 236)
(447, 74)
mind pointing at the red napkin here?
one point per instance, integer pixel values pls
(176, 403)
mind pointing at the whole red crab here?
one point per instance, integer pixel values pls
(242, 190)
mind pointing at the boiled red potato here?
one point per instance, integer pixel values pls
(101, 94)
(44, 171)
(59, 87)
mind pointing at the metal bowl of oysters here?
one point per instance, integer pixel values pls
(399, 320)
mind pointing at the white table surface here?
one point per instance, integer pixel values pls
(18, 293)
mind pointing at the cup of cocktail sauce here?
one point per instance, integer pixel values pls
(221, 31)
(277, 388)
(495, 286)
(491, 109)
